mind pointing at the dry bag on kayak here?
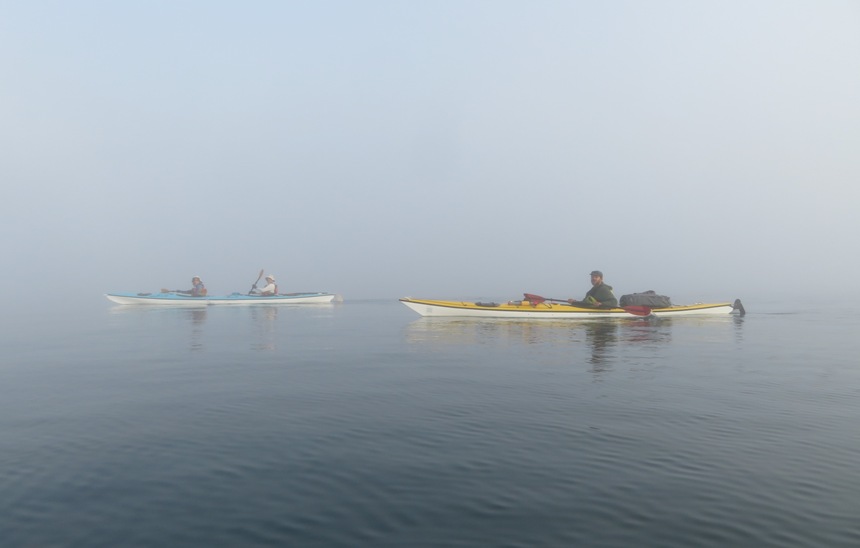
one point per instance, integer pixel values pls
(646, 298)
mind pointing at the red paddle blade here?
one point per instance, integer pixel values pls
(533, 299)
(638, 310)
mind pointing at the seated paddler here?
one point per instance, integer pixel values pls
(198, 289)
(267, 290)
(599, 296)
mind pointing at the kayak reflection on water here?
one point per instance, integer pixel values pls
(264, 319)
(601, 337)
(600, 334)
(197, 318)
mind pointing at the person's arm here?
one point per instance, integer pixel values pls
(588, 302)
(605, 298)
(583, 302)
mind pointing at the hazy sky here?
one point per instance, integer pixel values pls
(449, 149)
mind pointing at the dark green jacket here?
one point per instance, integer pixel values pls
(601, 293)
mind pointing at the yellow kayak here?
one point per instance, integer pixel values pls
(555, 310)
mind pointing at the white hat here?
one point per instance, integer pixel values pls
(270, 277)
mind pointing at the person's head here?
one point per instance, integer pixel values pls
(195, 280)
(596, 277)
(270, 278)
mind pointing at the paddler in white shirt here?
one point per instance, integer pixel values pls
(269, 289)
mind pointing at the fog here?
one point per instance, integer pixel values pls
(438, 149)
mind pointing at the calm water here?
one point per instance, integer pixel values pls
(361, 424)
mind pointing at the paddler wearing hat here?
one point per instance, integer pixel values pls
(599, 296)
(267, 290)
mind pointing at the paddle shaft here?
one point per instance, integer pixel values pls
(254, 286)
(538, 299)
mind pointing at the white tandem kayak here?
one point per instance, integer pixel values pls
(178, 299)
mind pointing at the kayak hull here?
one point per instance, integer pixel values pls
(546, 310)
(289, 298)
(178, 300)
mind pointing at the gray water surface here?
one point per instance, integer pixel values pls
(361, 424)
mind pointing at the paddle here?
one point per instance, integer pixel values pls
(537, 299)
(253, 287)
(636, 310)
